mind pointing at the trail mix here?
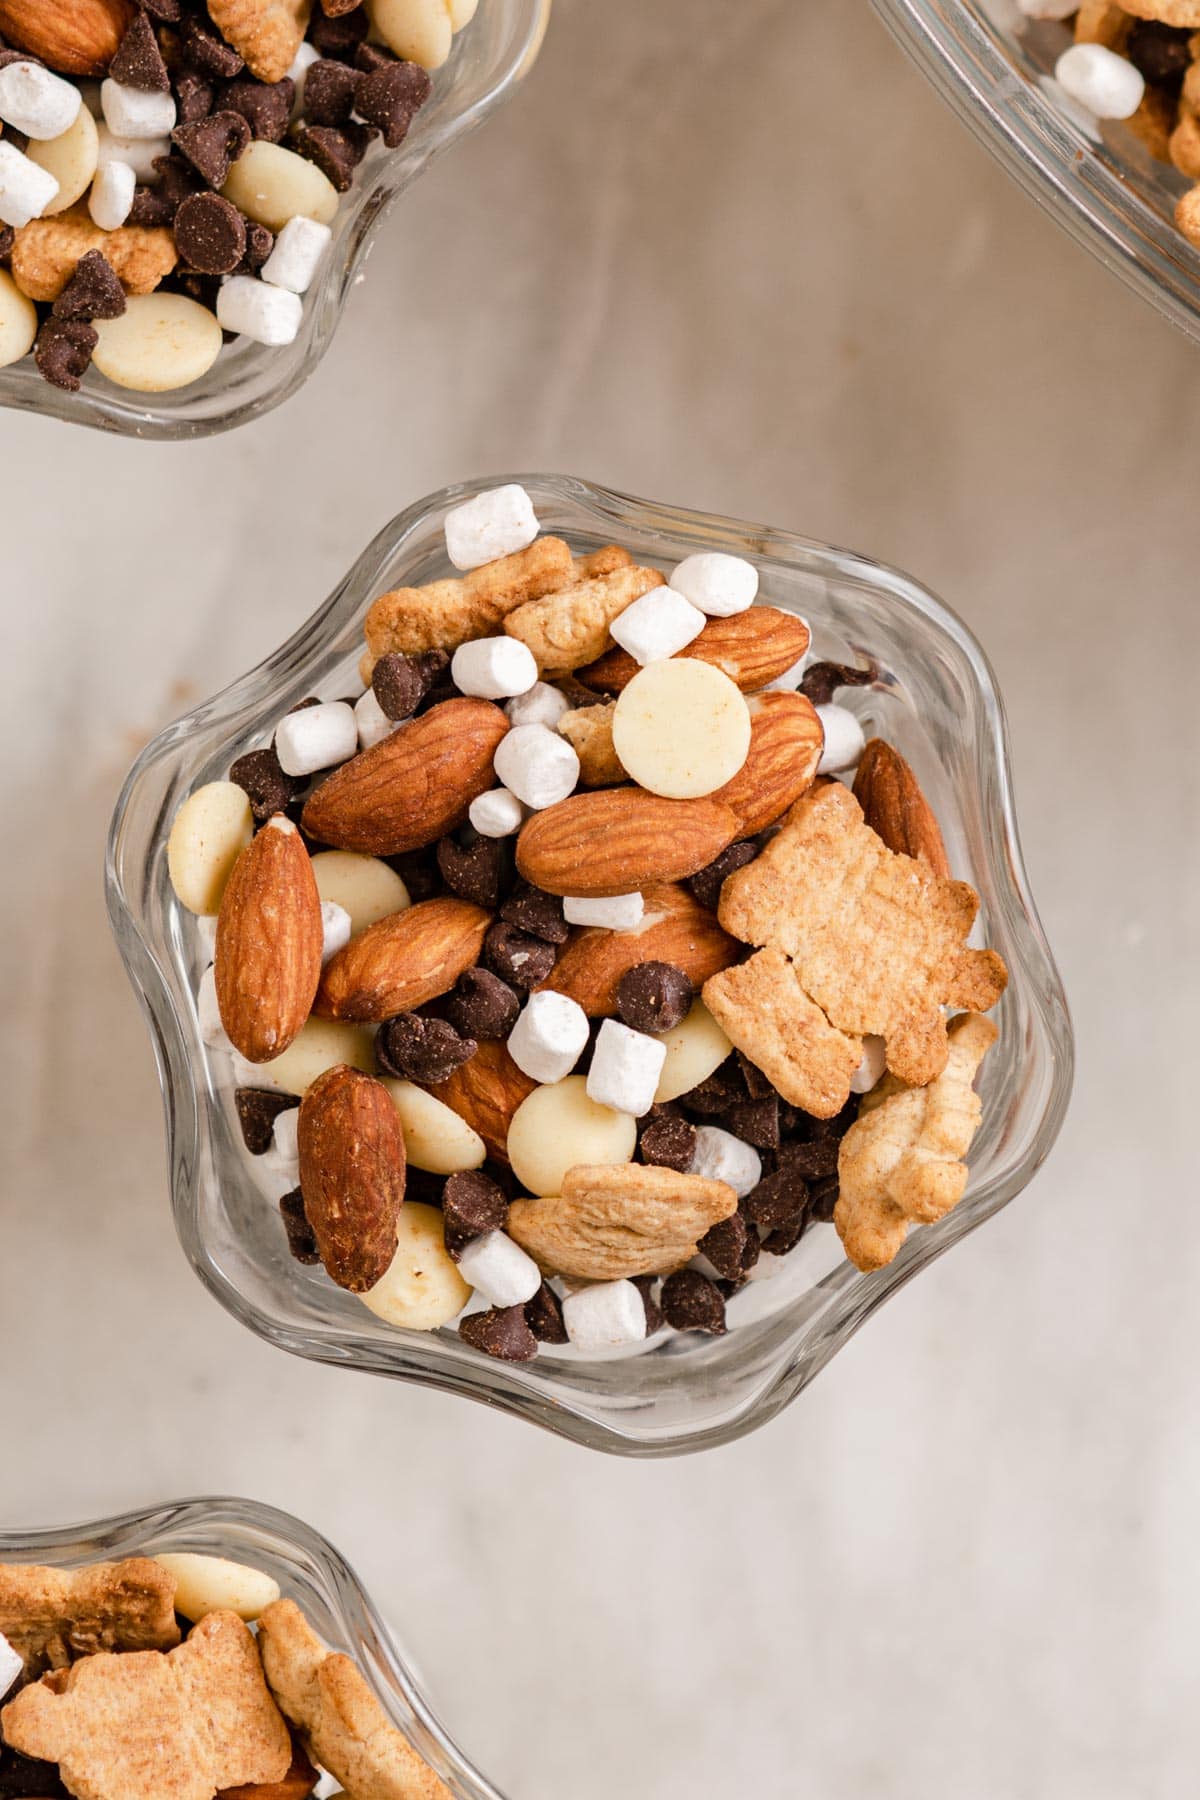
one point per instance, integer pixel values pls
(1139, 62)
(562, 980)
(142, 1680)
(169, 170)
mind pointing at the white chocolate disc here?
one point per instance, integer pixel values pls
(681, 728)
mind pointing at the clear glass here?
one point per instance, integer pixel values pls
(490, 58)
(935, 698)
(308, 1569)
(994, 67)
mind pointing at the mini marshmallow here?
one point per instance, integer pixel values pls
(373, 723)
(496, 814)
(499, 1270)
(337, 927)
(844, 740)
(720, 585)
(282, 1155)
(11, 1665)
(541, 705)
(549, 1037)
(720, 1156)
(605, 1316)
(139, 153)
(297, 255)
(537, 765)
(1108, 85)
(131, 112)
(493, 668)
(617, 912)
(111, 198)
(25, 189)
(657, 625)
(625, 1070)
(872, 1067)
(496, 523)
(209, 1013)
(36, 102)
(206, 933)
(316, 737)
(265, 315)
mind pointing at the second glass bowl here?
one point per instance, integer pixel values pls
(934, 698)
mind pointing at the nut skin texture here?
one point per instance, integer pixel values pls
(677, 930)
(618, 839)
(895, 807)
(78, 39)
(402, 961)
(352, 1174)
(486, 1092)
(414, 786)
(753, 648)
(786, 741)
(268, 947)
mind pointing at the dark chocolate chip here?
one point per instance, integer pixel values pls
(208, 51)
(176, 179)
(482, 1006)
(690, 1302)
(338, 37)
(645, 1285)
(335, 150)
(423, 1186)
(823, 680)
(521, 960)
(718, 1092)
(812, 1161)
(776, 1199)
(501, 1332)
(301, 1242)
(167, 12)
(329, 90)
(266, 106)
(725, 1243)
(21, 1778)
(138, 62)
(669, 1142)
(419, 872)
(544, 1316)
(706, 883)
(1159, 52)
(260, 241)
(757, 1085)
(257, 1111)
(93, 292)
(210, 234)
(204, 290)
(63, 352)
(654, 996)
(8, 238)
(822, 1200)
(264, 783)
(419, 1049)
(473, 1204)
(538, 913)
(755, 1122)
(211, 145)
(390, 98)
(150, 207)
(398, 683)
(193, 97)
(472, 872)
(785, 1237)
(369, 57)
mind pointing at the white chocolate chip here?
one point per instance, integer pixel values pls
(719, 584)
(681, 728)
(206, 1584)
(72, 159)
(605, 1316)
(419, 31)
(299, 248)
(659, 624)
(335, 923)
(872, 1067)
(139, 153)
(160, 342)
(497, 813)
(25, 189)
(1107, 85)
(131, 112)
(695, 1049)
(617, 912)
(844, 740)
(542, 705)
(36, 102)
(500, 1270)
(493, 668)
(272, 185)
(435, 1138)
(320, 1044)
(112, 194)
(252, 309)
(209, 833)
(373, 723)
(422, 1287)
(556, 1127)
(537, 765)
(719, 1156)
(316, 737)
(625, 1069)
(367, 888)
(549, 1036)
(18, 321)
(496, 523)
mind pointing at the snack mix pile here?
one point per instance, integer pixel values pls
(169, 170)
(1140, 62)
(103, 1696)
(556, 966)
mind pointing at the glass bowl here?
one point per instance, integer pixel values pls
(995, 67)
(308, 1569)
(934, 697)
(490, 58)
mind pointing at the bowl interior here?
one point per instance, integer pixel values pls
(489, 59)
(933, 697)
(308, 1569)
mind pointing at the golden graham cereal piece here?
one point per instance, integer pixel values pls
(569, 627)
(763, 1008)
(589, 731)
(1184, 13)
(444, 614)
(266, 33)
(900, 1162)
(46, 251)
(1187, 215)
(50, 1616)
(616, 1221)
(1101, 22)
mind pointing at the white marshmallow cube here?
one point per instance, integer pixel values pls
(659, 624)
(872, 1067)
(1107, 85)
(496, 814)
(139, 153)
(844, 740)
(316, 737)
(209, 1013)
(495, 523)
(720, 585)
(282, 1155)
(549, 1037)
(36, 102)
(500, 1270)
(537, 765)
(265, 315)
(11, 1665)
(540, 705)
(373, 723)
(297, 254)
(25, 189)
(111, 196)
(605, 1316)
(493, 668)
(616, 912)
(131, 112)
(720, 1156)
(625, 1070)
(337, 926)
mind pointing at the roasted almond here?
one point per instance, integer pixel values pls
(352, 1173)
(412, 788)
(617, 1221)
(895, 807)
(786, 741)
(269, 941)
(486, 1092)
(79, 38)
(675, 929)
(753, 648)
(620, 839)
(402, 961)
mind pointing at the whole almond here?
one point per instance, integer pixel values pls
(402, 961)
(269, 941)
(620, 839)
(753, 648)
(486, 1092)
(675, 929)
(79, 38)
(414, 786)
(895, 807)
(613, 1223)
(352, 1174)
(786, 741)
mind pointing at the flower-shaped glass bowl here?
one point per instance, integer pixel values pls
(934, 698)
(995, 67)
(490, 58)
(309, 1571)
